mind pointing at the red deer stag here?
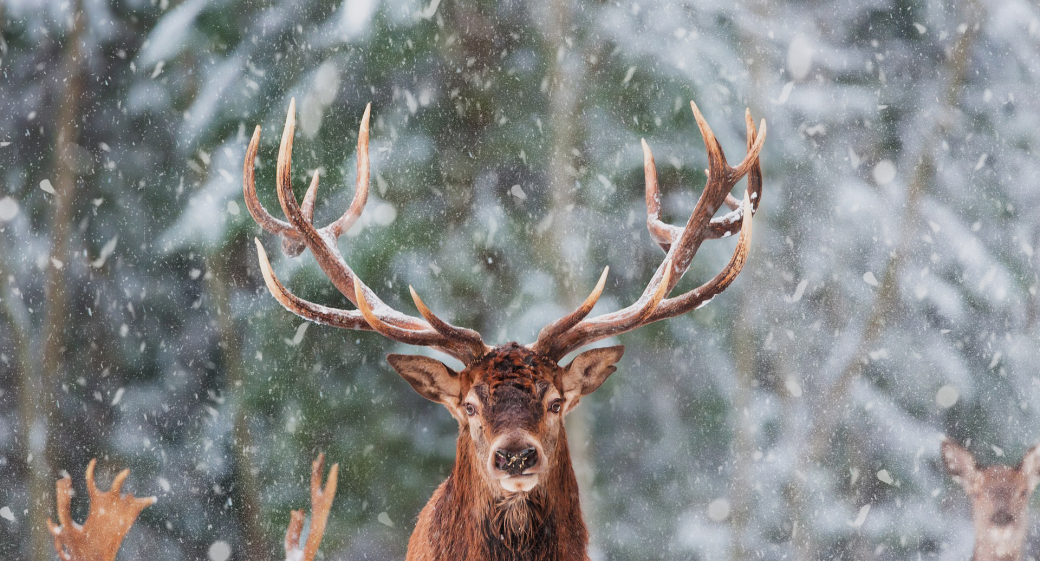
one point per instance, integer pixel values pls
(999, 500)
(112, 514)
(512, 493)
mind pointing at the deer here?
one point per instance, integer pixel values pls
(112, 514)
(999, 500)
(512, 492)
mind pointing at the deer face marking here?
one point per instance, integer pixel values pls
(999, 499)
(511, 403)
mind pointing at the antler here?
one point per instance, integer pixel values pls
(111, 515)
(299, 233)
(680, 245)
(321, 503)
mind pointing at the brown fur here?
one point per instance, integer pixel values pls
(470, 518)
(999, 500)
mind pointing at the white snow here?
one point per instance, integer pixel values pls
(799, 57)
(785, 93)
(947, 396)
(861, 517)
(884, 172)
(628, 75)
(718, 510)
(793, 387)
(517, 192)
(106, 251)
(219, 551)
(8, 209)
(799, 291)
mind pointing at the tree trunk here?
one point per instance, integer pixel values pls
(246, 496)
(39, 415)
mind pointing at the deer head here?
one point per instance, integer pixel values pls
(509, 400)
(999, 500)
(511, 405)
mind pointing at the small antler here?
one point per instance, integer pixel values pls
(299, 233)
(680, 245)
(321, 503)
(111, 515)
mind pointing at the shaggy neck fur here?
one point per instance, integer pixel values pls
(999, 543)
(468, 520)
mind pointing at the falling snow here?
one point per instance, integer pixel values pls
(797, 415)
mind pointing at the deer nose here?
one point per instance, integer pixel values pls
(1002, 518)
(514, 462)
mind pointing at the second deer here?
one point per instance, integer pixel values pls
(999, 500)
(512, 493)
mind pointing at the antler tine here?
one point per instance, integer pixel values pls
(550, 332)
(464, 338)
(321, 243)
(424, 338)
(611, 324)
(703, 294)
(753, 149)
(372, 314)
(323, 247)
(681, 244)
(321, 504)
(283, 177)
(292, 535)
(257, 210)
(716, 158)
(663, 234)
(347, 319)
(721, 178)
(731, 223)
(647, 306)
(293, 246)
(310, 198)
(110, 518)
(343, 223)
(63, 498)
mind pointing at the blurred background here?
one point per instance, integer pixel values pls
(890, 296)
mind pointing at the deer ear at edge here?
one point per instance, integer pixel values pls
(1031, 467)
(588, 371)
(959, 463)
(429, 377)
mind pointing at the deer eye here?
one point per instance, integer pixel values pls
(556, 405)
(470, 409)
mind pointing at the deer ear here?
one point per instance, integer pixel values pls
(430, 377)
(959, 463)
(1031, 467)
(588, 371)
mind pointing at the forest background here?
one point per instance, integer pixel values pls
(890, 296)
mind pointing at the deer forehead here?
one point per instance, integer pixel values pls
(516, 367)
(1002, 482)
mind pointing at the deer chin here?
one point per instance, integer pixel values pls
(519, 483)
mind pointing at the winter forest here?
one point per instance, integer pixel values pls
(890, 296)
